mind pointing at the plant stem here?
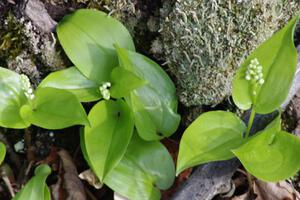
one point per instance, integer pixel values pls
(250, 122)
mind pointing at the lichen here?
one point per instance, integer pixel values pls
(125, 11)
(43, 47)
(204, 42)
(25, 49)
(23, 64)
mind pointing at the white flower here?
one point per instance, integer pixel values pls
(254, 72)
(261, 81)
(104, 90)
(26, 86)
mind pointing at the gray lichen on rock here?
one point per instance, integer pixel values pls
(205, 41)
(125, 11)
(27, 44)
(23, 64)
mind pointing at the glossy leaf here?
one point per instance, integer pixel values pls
(36, 188)
(56, 109)
(278, 57)
(154, 104)
(146, 168)
(74, 81)
(271, 155)
(2, 152)
(123, 82)
(11, 99)
(88, 36)
(211, 137)
(107, 139)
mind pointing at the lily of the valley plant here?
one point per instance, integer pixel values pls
(262, 83)
(137, 104)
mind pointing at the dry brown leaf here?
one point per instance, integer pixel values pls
(119, 197)
(241, 197)
(91, 178)
(275, 191)
(55, 190)
(72, 183)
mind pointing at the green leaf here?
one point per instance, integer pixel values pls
(106, 140)
(12, 98)
(273, 161)
(123, 82)
(74, 81)
(88, 36)
(36, 188)
(56, 109)
(211, 137)
(146, 168)
(154, 104)
(2, 152)
(278, 57)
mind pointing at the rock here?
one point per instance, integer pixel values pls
(37, 13)
(204, 42)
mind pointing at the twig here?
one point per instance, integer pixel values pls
(30, 148)
(8, 185)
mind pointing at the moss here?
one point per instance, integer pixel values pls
(205, 42)
(11, 38)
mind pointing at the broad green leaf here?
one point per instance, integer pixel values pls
(36, 188)
(107, 139)
(154, 104)
(12, 98)
(2, 152)
(74, 81)
(56, 109)
(123, 82)
(146, 168)
(88, 36)
(278, 58)
(271, 161)
(211, 137)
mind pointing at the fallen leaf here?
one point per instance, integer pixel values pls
(55, 190)
(72, 183)
(119, 197)
(91, 178)
(241, 197)
(275, 191)
(173, 148)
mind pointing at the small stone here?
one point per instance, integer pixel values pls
(19, 147)
(51, 134)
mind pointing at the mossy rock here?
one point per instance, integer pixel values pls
(205, 41)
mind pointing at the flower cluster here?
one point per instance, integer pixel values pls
(104, 89)
(254, 72)
(26, 86)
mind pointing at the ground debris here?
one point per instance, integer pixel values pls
(71, 182)
(275, 191)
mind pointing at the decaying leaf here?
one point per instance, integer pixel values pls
(275, 191)
(119, 197)
(91, 178)
(241, 197)
(72, 183)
